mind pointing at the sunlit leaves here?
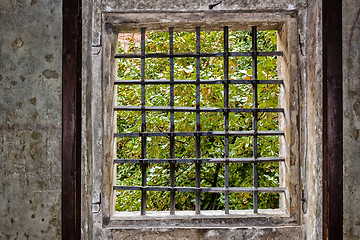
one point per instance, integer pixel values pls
(240, 96)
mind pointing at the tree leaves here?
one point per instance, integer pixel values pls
(240, 96)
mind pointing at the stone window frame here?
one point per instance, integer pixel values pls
(286, 24)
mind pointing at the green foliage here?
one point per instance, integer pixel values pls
(240, 96)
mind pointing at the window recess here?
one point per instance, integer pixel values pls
(149, 148)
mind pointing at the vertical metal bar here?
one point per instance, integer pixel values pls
(172, 122)
(255, 115)
(226, 115)
(197, 129)
(143, 124)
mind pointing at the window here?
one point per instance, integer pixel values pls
(185, 140)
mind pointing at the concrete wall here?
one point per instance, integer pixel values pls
(30, 119)
(351, 96)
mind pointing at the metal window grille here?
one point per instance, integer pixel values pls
(198, 160)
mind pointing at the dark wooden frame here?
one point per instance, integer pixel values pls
(71, 120)
(332, 121)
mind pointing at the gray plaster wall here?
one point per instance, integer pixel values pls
(30, 119)
(351, 97)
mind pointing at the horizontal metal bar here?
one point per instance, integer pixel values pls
(167, 55)
(168, 82)
(202, 160)
(201, 54)
(210, 133)
(259, 54)
(193, 109)
(203, 189)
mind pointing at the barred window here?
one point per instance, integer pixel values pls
(197, 121)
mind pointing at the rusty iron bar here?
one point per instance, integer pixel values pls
(197, 127)
(200, 134)
(172, 122)
(143, 124)
(203, 160)
(204, 189)
(202, 81)
(203, 54)
(194, 109)
(226, 116)
(255, 117)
